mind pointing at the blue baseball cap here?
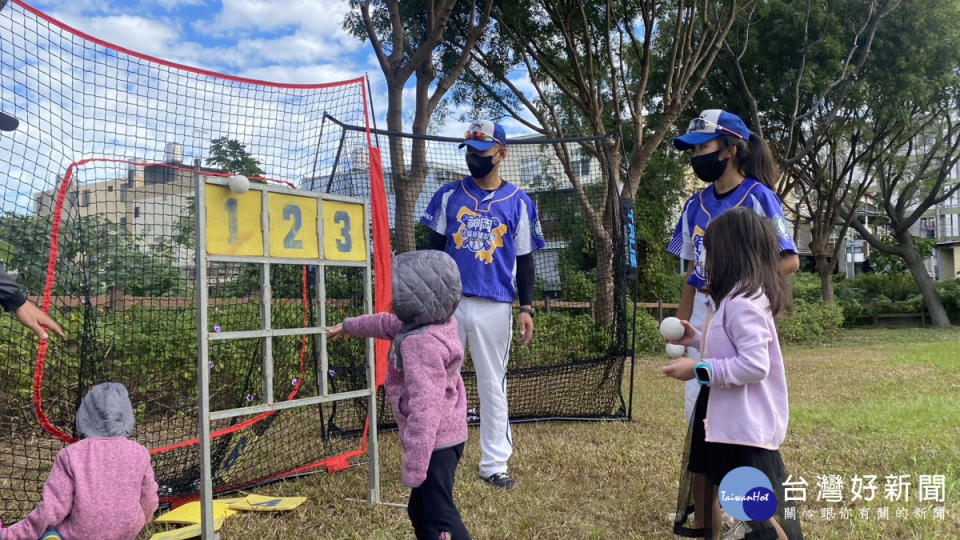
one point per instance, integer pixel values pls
(483, 134)
(712, 123)
(7, 122)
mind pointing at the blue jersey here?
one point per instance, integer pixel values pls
(700, 209)
(486, 232)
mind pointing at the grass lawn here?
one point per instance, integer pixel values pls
(883, 402)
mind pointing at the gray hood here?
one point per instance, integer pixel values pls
(426, 288)
(105, 412)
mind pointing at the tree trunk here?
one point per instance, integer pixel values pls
(826, 287)
(605, 270)
(826, 263)
(938, 315)
(407, 193)
(825, 268)
(403, 226)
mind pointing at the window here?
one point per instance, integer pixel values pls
(109, 188)
(949, 226)
(136, 212)
(529, 170)
(582, 167)
(85, 200)
(123, 221)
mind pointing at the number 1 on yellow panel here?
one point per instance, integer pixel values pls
(293, 226)
(233, 222)
(344, 237)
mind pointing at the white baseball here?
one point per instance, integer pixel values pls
(671, 328)
(239, 184)
(675, 351)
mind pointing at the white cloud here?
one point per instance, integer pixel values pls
(145, 35)
(170, 5)
(315, 15)
(307, 74)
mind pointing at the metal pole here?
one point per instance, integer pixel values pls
(266, 300)
(373, 451)
(321, 284)
(203, 368)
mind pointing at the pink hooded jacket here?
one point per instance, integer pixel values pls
(101, 487)
(423, 375)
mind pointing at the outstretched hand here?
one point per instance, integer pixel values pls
(36, 320)
(336, 332)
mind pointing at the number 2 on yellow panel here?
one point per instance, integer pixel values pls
(293, 226)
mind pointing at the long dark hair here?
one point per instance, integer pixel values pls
(754, 159)
(743, 258)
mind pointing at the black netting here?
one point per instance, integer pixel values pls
(573, 368)
(103, 169)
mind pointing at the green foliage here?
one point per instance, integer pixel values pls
(648, 339)
(154, 352)
(806, 287)
(577, 286)
(94, 256)
(811, 323)
(949, 292)
(893, 287)
(231, 155)
(662, 181)
(561, 338)
(859, 297)
(888, 263)
(421, 236)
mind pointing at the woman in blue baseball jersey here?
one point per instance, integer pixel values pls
(740, 171)
(490, 228)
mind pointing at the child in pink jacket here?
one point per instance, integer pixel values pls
(741, 414)
(102, 486)
(424, 385)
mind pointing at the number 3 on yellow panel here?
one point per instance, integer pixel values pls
(233, 222)
(344, 236)
(293, 226)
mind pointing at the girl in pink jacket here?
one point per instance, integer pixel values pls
(102, 486)
(740, 417)
(423, 384)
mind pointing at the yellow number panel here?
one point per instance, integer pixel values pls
(344, 232)
(233, 222)
(293, 226)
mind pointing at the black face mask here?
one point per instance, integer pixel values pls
(480, 166)
(708, 167)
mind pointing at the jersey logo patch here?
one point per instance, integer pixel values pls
(783, 229)
(481, 235)
(699, 253)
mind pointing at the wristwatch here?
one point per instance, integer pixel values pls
(704, 373)
(528, 310)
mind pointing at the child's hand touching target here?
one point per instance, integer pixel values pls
(336, 332)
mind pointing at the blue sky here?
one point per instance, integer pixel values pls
(77, 102)
(297, 41)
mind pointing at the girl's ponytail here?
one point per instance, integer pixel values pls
(754, 159)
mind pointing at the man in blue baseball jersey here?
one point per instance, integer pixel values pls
(490, 228)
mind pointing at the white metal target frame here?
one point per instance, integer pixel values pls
(266, 332)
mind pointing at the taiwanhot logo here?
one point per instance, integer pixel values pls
(746, 494)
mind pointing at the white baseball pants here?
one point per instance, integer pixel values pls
(486, 328)
(692, 387)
